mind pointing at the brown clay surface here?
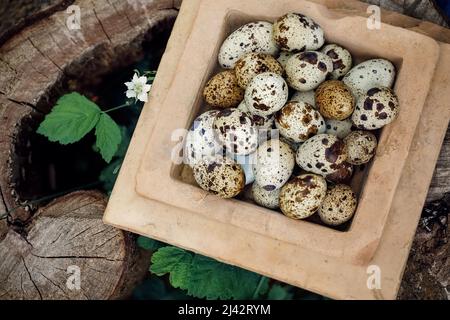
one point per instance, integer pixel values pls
(254, 250)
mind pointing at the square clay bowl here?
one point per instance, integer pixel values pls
(155, 197)
(404, 48)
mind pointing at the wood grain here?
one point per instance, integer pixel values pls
(38, 243)
(69, 233)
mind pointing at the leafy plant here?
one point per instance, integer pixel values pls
(203, 277)
(149, 244)
(155, 288)
(279, 292)
(74, 116)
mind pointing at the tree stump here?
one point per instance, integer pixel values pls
(64, 238)
(421, 9)
(41, 62)
(428, 269)
(38, 243)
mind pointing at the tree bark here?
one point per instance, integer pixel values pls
(421, 9)
(428, 269)
(16, 14)
(37, 65)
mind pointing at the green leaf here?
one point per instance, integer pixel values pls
(175, 261)
(204, 277)
(71, 119)
(108, 136)
(278, 292)
(149, 244)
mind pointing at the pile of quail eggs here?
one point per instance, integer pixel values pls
(291, 117)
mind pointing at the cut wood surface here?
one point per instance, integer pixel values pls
(66, 237)
(37, 243)
(33, 64)
(16, 14)
(422, 9)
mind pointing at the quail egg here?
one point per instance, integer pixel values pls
(370, 74)
(322, 154)
(294, 145)
(361, 147)
(220, 176)
(256, 37)
(334, 100)
(301, 197)
(295, 32)
(266, 94)
(261, 122)
(338, 206)
(274, 164)
(247, 163)
(236, 131)
(223, 90)
(377, 108)
(284, 57)
(307, 70)
(200, 140)
(268, 199)
(252, 64)
(342, 60)
(305, 96)
(342, 173)
(298, 121)
(339, 128)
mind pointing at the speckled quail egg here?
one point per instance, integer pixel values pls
(220, 176)
(200, 140)
(370, 74)
(247, 163)
(284, 57)
(301, 197)
(294, 145)
(334, 100)
(339, 128)
(307, 70)
(342, 60)
(377, 108)
(266, 94)
(252, 64)
(342, 173)
(361, 147)
(268, 199)
(261, 122)
(274, 164)
(223, 90)
(254, 37)
(298, 121)
(236, 131)
(295, 32)
(338, 206)
(322, 154)
(305, 96)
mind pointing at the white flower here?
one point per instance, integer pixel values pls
(138, 88)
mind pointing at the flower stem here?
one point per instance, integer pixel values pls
(118, 107)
